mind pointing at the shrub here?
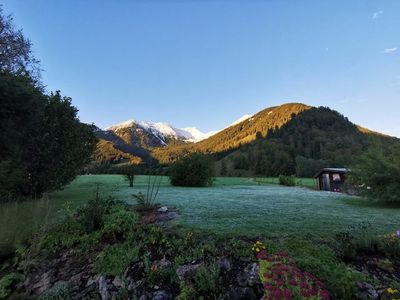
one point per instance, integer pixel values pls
(91, 216)
(113, 260)
(60, 291)
(119, 222)
(193, 170)
(361, 238)
(287, 180)
(207, 279)
(377, 175)
(7, 281)
(153, 186)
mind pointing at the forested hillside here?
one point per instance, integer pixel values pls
(237, 135)
(292, 138)
(316, 138)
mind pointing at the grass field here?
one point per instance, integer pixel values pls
(232, 206)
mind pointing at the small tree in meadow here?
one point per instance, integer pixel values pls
(129, 173)
(193, 170)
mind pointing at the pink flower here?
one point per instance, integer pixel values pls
(287, 294)
(304, 285)
(293, 282)
(277, 293)
(262, 254)
(324, 295)
(268, 286)
(319, 284)
(313, 292)
(268, 275)
(305, 293)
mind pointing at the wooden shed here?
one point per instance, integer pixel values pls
(331, 179)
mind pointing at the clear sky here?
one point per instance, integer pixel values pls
(206, 63)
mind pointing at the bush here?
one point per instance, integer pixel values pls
(207, 279)
(287, 180)
(7, 281)
(91, 216)
(113, 260)
(377, 175)
(60, 291)
(193, 170)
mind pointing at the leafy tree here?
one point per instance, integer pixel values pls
(195, 169)
(43, 144)
(66, 145)
(129, 172)
(16, 55)
(377, 175)
(22, 108)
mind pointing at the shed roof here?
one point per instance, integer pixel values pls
(331, 170)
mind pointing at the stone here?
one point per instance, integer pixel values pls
(134, 285)
(367, 291)
(76, 279)
(224, 264)
(249, 276)
(186, 272)
(118, 282)
(43, 284)
(163, 209)
(92, 280)
(160, 295)
(143, 297)
(103, 289)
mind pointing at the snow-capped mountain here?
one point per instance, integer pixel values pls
(162, 131)
(155, 134)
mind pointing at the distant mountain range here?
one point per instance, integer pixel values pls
(140, 141)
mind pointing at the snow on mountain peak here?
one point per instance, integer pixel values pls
(241, 119)
(161, 130)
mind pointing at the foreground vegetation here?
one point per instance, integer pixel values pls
(109, 249)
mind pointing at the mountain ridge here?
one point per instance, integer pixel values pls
(164, 143)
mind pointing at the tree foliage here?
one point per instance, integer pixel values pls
(43, 144)
(377, 175)
(195, 169)
(16, 55)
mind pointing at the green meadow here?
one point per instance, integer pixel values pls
(235, 206)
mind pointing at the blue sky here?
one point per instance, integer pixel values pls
(206, 63)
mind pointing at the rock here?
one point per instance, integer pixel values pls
(134, 285)
(161, 295)
(103, 289)
(249, 276)
(367, 291)
(224, 264)
(76, 279)
(143, 297)
(165, 263)
(92, 280)
(163, 209)
(186, 272)
(240, 293)
(385, 265)
(118, 282)
(43, 284)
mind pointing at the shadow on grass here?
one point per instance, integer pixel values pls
(363, 202)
